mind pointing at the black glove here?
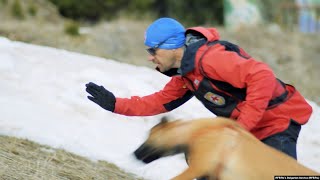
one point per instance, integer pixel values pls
(101, 96)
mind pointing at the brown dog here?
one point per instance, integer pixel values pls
(218, 148)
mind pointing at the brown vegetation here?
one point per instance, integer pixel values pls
(23, 159)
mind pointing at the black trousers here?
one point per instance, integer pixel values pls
(285, 141)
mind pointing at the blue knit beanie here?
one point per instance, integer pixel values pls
(165, 29)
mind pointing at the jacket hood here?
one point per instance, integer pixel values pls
(195, 38)
(211, 34)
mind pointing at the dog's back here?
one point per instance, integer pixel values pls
(218, 148)
(234, 152)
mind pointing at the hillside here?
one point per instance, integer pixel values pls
(23, 159)
(292, 55)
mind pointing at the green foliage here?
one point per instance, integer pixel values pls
(16, 10)
(271, 9)
(193, 12)
(3, 2)
(32, 9)
(92, 10)
(140, 6)
(190, 12)
(72, 28)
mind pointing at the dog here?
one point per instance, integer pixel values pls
(217, 148)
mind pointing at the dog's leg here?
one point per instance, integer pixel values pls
(198, 167)
(207, 157)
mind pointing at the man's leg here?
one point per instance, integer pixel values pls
(285, 141)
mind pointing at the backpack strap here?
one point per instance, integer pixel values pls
(238, 93)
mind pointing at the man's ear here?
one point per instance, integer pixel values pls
(178, 54)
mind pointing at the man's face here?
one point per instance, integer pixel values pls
(164, 59)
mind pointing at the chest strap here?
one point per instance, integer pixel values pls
(239, 93)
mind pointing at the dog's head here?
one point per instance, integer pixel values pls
(159, 142)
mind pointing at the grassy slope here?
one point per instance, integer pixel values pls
(23, 159)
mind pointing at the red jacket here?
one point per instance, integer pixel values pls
(229, 83)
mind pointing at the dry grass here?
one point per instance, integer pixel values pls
(22, 159)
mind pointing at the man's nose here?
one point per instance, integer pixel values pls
(150, 58)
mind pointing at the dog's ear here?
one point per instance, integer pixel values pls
(164, 120)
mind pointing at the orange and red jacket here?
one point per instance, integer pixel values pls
(229, 83)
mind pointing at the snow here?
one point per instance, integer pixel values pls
(43, 99)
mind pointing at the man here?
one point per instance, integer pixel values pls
(227, 80)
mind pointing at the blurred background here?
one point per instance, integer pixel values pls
(282, 33)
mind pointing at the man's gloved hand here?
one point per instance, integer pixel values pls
(101, 96)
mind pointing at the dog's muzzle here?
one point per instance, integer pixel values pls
(147, 153)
